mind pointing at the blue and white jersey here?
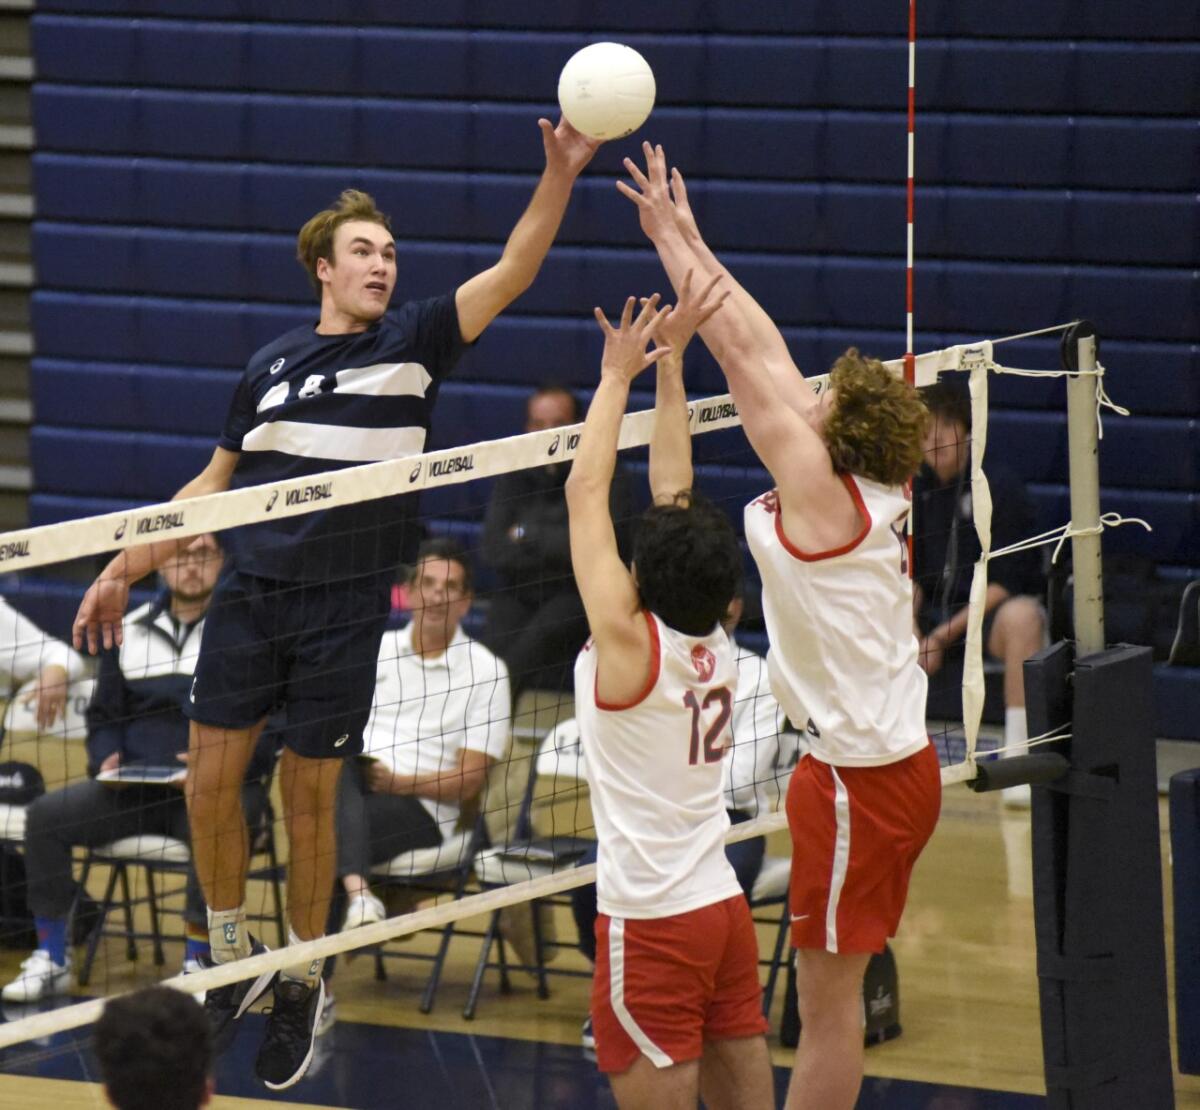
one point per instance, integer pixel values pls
(308, 403)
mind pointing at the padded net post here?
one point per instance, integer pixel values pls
(1079, 347)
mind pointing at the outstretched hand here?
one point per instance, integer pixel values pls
(567, 149)
(101, 615)
(690, 312)
(658, 211)
(625, 355)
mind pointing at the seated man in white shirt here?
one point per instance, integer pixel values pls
(439, 721)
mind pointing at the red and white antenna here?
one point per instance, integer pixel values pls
(910, 362)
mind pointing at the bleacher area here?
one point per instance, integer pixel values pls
(1058, 164)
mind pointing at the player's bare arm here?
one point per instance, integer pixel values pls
(786, 440)
(456, 785)
(669, 202)
(481, 299)
(670, 441)
(606, 585)
(102, 611)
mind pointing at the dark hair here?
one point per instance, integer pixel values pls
(948, 402)
(449, 549)
(688, 563)
(543, 388)
(155, 1050)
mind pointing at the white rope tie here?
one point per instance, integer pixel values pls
(1103, 400)
(1034, 741)
(1059, 536)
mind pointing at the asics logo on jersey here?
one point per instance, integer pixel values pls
(192, 691)
(277, 365)
(704, 661)
(341, 740)
(812, 729)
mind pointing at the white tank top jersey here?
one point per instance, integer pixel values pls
(655, 771)
(843, 658)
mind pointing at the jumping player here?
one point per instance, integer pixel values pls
(299, 611)
(830, 542)
(676, 1002)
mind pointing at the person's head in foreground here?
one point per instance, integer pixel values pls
(873, 422)
(350, 256)
(686, 563)
(155, 1051)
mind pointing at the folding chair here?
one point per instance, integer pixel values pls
(446, 867)
(160, 856)
(528, 856)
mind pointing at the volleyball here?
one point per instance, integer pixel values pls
(606, 90)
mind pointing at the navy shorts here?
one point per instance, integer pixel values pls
(308, 648)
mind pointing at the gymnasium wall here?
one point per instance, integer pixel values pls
(1058, 166)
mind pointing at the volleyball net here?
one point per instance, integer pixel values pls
(482, 627)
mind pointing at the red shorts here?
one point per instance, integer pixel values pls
(856, 833)
(665, 985)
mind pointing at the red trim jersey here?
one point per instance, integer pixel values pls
(655, 772)
(843, 659)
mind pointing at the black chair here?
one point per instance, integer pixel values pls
(160, 856)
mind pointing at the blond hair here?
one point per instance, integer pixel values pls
(315, 240)
(876, 427)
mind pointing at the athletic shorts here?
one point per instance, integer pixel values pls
(308, 648)
(856, 833)
(665, 985)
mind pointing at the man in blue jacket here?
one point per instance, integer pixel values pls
(136, 727)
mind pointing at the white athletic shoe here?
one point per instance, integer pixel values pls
(364, 909)
(1018, 797)
(40, 978)
(190, 967)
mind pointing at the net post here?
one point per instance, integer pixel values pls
(1079, 348)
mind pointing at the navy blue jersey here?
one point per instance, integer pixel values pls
(309, 403)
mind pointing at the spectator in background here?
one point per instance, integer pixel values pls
(155, 1051)
(27, 652)
(439, 722)
(135, 722)
(946, 548)
(536, 623)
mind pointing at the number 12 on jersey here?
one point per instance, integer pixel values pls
(713, 748)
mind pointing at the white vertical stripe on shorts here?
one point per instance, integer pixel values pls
(841, 858)
(616, 987)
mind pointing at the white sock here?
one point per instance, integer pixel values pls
(227, 935)
(308, 972)
(1016, 731)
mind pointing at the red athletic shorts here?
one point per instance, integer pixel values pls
(665, 985)
(856, 833)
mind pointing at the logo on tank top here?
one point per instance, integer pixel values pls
(769, 501)
(704, 661)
